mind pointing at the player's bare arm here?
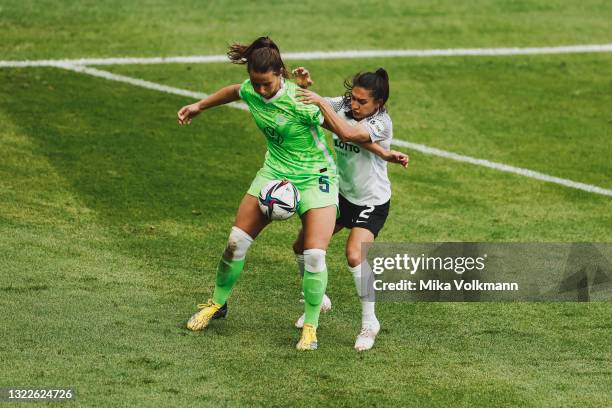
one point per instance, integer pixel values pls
(304, 80)
(392, 156)
(333, 122)
(222, 96)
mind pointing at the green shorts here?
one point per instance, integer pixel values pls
(316, 191)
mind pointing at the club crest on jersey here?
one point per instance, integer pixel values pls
(273, 135)
(377, 126)
(280, 119)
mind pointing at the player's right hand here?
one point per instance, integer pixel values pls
(188, 112)
(400, 158)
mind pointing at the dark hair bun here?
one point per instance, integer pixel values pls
(382, 73)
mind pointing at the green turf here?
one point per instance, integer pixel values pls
(112, 217)
(62, 29)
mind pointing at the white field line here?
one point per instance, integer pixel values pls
(414, 146)
(143, 84)
(313, 55)
(502, 167)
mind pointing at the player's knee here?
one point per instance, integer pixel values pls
(237, 245)
(314, 286)
(314, 260)
(353, 255)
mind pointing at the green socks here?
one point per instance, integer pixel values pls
(231, 264)
(314, 289)
(227, 275)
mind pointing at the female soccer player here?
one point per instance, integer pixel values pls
(298, 152)
(362, 137)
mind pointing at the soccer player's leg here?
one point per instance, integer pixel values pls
(298, 249)
(318, 224)
(367, 223)
(249, 223)
(363, 278)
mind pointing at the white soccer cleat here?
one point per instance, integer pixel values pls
(325, 307)
(367, 335)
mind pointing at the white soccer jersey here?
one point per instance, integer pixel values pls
(362, 174)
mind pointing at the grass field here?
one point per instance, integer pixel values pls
(112, 218)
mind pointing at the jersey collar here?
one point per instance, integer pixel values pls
(280, 93)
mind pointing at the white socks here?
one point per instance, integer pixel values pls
(365, 292)
(299, 258)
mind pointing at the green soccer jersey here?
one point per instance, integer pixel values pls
(296, 143)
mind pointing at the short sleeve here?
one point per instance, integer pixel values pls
(336, 103)
(309, 114)
(242, 92)
(379, 127)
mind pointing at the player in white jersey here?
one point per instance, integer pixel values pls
(362, 137)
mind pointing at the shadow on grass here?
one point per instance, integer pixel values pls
(123, 152)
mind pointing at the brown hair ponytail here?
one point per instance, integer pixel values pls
(261, 56)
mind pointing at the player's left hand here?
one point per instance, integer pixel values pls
(398, 157)
(308, 97)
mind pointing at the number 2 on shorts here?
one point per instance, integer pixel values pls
(365, 214)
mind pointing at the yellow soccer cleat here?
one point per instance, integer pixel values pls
(309, 338)
(208, 311)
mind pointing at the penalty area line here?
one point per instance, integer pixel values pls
(398, 142)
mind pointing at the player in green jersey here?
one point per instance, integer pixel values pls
(298, 152)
